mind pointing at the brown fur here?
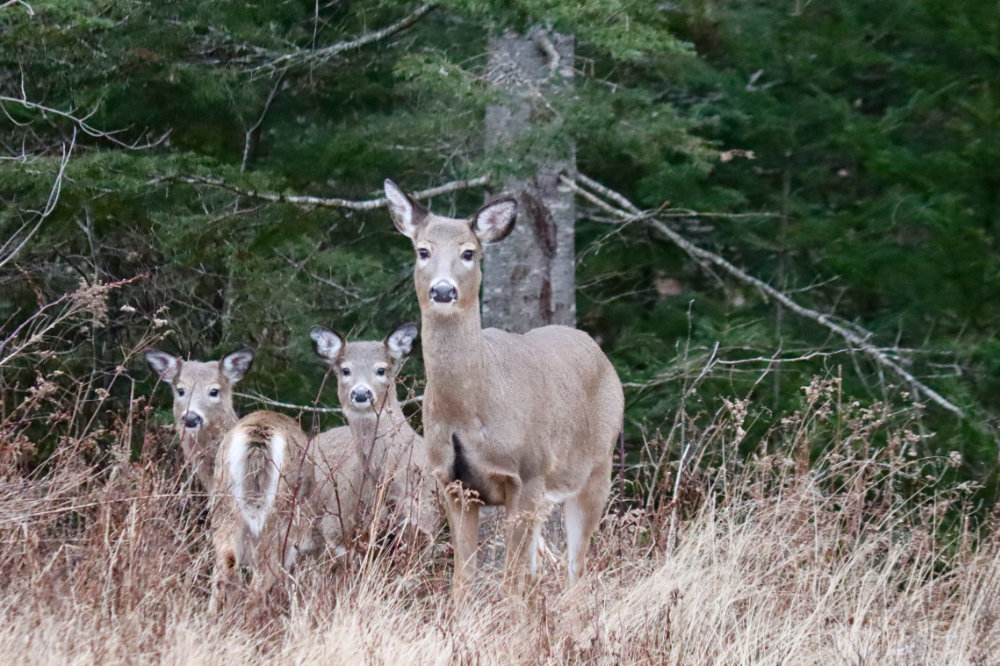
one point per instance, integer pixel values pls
(389, 456)
(522, 420)
(247, 532)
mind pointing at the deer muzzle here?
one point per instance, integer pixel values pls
(361, 396)
(444, 292)
(192, 420)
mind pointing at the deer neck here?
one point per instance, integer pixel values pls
(454, 362)
(200, 448)
(372, 431)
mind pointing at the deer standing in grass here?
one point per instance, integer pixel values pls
(279, 493)
(203, 404)
(390, 456)
(262, 514)
(524, 421)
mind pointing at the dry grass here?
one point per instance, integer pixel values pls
(859, 556)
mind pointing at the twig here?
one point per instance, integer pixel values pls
(301, 200)
(7, 254)
(629, 211)
(9, 3)
(312, 409)
(251, 137)
(81, 123)
(672, 530)
(320, 55)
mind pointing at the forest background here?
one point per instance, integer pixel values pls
(186, 175)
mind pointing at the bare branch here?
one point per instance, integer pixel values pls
(628, 211)
(369, 204)
(303, 57)
(17, 3)
(251, 137)
(6, 251)
(256, 397)
(80, 122)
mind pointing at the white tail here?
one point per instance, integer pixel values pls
(261, 515)
(255, 468)
(521, 420)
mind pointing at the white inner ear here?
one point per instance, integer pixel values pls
(401, 342)
(328, 344)
(163, 364)
(400, 207)
(235, 366)
(493, 221)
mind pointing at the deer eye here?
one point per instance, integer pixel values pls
(346, 372)
(424, 253)
(213, 393)
(380, 372)
(468, 255)
(180, 391)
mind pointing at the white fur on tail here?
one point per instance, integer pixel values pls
(255, 468)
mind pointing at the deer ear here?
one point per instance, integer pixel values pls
(237, 364)
(328, 344)
(163, 364)
(406, 213)
(400, 341)
(494, 221)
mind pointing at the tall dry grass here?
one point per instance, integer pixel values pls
(858, 555)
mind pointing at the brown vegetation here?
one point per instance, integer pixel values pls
(858, 556)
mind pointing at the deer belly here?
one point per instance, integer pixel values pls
(464, 470)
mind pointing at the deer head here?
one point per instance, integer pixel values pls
(366, 371)
(203, 392)
(447, 273)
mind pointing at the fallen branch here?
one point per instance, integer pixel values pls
(302, 200)
(627, 211)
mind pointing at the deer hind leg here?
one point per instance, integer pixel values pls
(583, 515)
(226, 583)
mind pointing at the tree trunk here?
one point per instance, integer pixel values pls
(529, 278)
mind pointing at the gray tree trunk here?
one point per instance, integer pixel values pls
(529, 278)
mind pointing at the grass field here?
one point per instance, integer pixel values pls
(858, 555)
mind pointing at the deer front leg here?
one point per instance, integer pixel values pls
(463, 522)
(523, 504)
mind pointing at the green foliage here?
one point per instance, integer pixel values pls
(846, 149)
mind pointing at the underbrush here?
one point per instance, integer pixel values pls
(863, 553)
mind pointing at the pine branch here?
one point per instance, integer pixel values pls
(625, 210)
(321, 202)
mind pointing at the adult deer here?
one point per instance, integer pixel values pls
(203, 404)
(523, 421)
(392, 455)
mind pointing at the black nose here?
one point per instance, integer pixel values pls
(192, 420)
(443, 292)
(361, 396)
